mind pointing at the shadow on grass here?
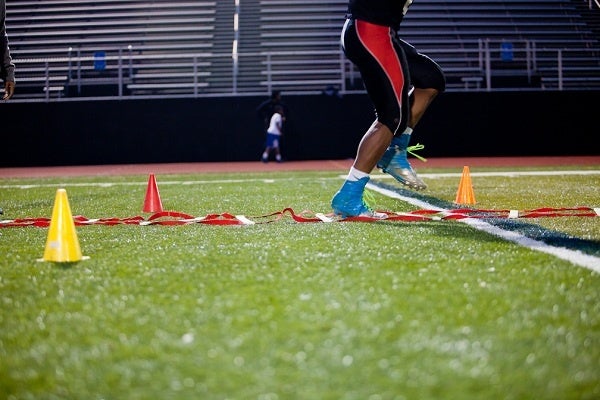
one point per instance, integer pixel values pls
(529, 230)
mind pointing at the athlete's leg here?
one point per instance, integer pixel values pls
(422, 98)
(385, 75)
(428, 81)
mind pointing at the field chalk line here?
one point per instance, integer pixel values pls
(573, 256)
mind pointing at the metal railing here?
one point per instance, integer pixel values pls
(123, 73)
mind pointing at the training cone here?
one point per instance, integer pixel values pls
(62, 244)
(152, 201)
(465, 194)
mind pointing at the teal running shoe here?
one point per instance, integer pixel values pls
(395, 162)
(349, 202)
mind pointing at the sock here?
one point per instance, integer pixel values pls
(265, 155)
(355, 174)
(278, 157)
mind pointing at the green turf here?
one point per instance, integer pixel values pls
(287, 310)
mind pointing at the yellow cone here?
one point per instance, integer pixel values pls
(465, 194)
(62, 244)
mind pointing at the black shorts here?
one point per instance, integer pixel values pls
(424, 72)
(389, 68)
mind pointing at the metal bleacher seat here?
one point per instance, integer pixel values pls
(69, 34)
(455, 33)
(300, 43)
(536, 28)
(81, 48)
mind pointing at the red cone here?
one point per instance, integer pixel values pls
(152, 201)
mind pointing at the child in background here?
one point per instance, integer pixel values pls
(274, 133)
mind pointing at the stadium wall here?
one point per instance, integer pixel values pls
(458, 124)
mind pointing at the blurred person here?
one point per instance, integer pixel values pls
(274, 133)
(265, 110)
(401, 84)
(7, 68)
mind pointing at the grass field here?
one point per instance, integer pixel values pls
(422, 310)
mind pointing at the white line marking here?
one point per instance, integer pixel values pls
(574, 256)
(159, 183)
(508, 174)
(375, 176)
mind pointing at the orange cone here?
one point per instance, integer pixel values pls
(152, 201)
(62, 244)
(465, 194)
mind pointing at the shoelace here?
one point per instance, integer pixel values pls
(368, 199)
(416, 147)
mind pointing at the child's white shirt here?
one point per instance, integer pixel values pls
(276, 124)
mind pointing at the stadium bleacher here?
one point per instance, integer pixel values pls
(90, 48)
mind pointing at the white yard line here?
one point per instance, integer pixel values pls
(375, 176)
(139, 183)
(574, 256)
(508, 174)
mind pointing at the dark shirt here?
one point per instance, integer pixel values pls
(7, 68)
(380, 12)
(266, 109)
